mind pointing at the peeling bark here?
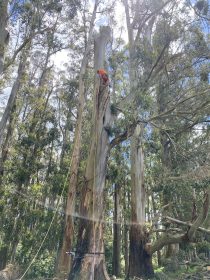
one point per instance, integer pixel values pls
(140, 258)
(89, 261)
(64, 262)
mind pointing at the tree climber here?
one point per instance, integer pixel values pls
(103, 76)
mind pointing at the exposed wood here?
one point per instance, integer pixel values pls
(90, 234)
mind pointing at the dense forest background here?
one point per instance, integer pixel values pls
(104, 181)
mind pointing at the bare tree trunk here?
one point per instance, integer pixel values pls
(13, 94)
(5, 145)
(156, 227)
(64, 263)
(140, 259)
(126, 202)
(4, 34)
(116, 270)
(3, 257)
(89, 261)
(126, 248)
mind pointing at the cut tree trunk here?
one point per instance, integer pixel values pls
(89, 260)
(64, 262)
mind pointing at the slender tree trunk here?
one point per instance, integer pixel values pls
(126, 248)
(4, 34)
(116, 270)
(64, 261)
(126, 202)
(140, 259)
(13, 94)
(89, 261)
(5, 145)
(156, 227)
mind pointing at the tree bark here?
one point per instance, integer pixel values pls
(4, 34)
(3, 257)
(6, 143)
(89, 261)
(13, 95)
(126, 202)
(64, 262)
(140, 259)
(116, 270)
(11, 272)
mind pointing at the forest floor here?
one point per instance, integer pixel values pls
(192, 271)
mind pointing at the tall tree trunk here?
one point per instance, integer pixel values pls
(156, 227)
(117, 233)
(13, 95)
(126, 202)
(89, 261)
(4, 34)
(5, 145)
(3, 257)
(171, 249)
(140, 260)
(64, 263)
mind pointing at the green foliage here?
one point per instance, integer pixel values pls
(169, 95)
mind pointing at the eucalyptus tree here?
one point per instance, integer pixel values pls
(149, 61)
(89, 262)
(4, 34)
(33, 115)
(63, 260)
(32, 18)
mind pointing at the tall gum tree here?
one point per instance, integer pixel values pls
(64, 263)
(140, 263)
(140, 20)
(89, 260)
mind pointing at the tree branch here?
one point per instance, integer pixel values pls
(26, 41)
(188, 236)
(188, 224)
